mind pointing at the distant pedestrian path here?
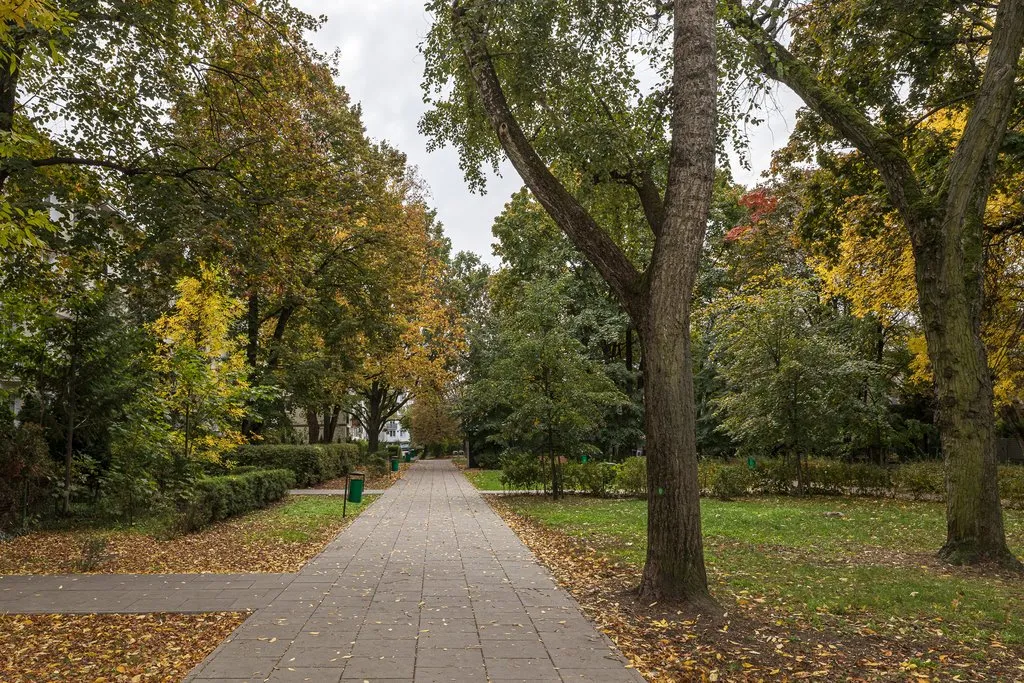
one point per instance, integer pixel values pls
(428, 584)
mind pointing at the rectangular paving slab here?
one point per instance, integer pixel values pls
(428, 584)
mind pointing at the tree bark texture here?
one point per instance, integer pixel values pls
(657, 301)
(946, 229)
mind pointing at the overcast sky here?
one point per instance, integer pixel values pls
(381, 68)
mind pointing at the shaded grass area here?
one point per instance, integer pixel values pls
(485, 480)
(108, 647)
(280, 538)
(873, 566)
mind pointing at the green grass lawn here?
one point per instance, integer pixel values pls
(485, 480)
(304, 518)
(872, 565)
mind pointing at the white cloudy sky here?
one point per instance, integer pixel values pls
(381, 67)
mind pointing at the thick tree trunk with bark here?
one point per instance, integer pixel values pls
(330, 422)
(945, 225)
(313, 426)
(658, 300)
(675, 548)
(951, 314)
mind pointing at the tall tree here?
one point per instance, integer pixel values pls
(920, 59)
(557, 89)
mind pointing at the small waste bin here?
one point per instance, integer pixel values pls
(354, 482)
(394, 463)
(584, 458)
(355, 487)
(408, 456)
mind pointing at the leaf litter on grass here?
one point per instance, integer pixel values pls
(755, 640)
(266, 541)
(108, 648)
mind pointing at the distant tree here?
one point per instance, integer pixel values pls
(872, 75)
(201, 387)
(552, 396)
(790, 379)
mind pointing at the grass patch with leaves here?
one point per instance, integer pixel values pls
(866, 582)
(280, 538)
(108, 647)
(485, 480)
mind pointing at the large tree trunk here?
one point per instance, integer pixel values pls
(330, 422)
(675, 549)
(945, 229)
(658, 300)
(312, 426)
(951, 313)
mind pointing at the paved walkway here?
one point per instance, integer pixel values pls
(332, 492)
(428, 584)
(139, 593)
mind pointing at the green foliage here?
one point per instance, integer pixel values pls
(774, 476)
(216, 498)
(522, 471)
(631, 477)
(489, 459)
(920, 480)
(550, 395)
(732, 481)
(25, 469)
(791, 381)
(311, 464)
(595, 478)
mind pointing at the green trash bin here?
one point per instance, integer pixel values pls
(408, 456)
(355, 488)
(394, 464)
(584, 458)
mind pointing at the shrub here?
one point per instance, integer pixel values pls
(1011, 485)
(312, 464)
(732, 481)
(488, 460)
(93, 554)
(521, 470)
(595, 478)
(920, 480)
(215, 498)
(632, 476)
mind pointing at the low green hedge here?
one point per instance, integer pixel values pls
(595, 478)
(312, 464)
(214, 498)
(774, 476)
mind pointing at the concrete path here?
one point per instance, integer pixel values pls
(139, 593)
(428, 584)
(332, 492)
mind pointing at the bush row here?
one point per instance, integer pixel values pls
(214, 498)
(924, 480)
(312, 464)
(772, 476)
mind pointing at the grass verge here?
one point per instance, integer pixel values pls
(485, 480)
(280, 538)
(858, 594)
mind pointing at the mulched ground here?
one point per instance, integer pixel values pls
(241, 545)
(101, 648)
(751, 643)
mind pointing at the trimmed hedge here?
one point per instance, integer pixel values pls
(595, 478)
(312, 464)
(214, 498)
(773, 476)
